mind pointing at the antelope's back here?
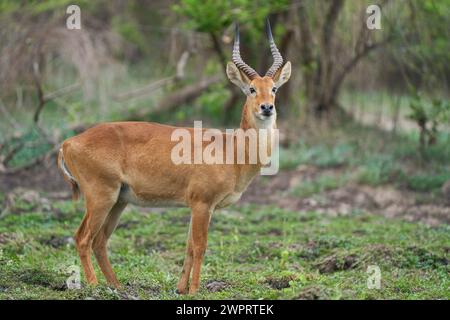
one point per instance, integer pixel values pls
(137, 155)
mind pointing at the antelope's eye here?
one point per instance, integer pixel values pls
(252, 90)
(274, 89)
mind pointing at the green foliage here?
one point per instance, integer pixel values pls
(211, 102)
(36, 7)
(429, 119)
(377, 170)
(320, 184)
(433, 50)
(206, 16)
(129, 30)
(427, 182)
(370, 157)
(320, 155)
(34, 146)
(213, 16)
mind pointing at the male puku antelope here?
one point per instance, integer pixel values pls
(113, 164)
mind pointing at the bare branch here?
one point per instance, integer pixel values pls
(186, 94)
(8, 116)
(176, 99)
(181, 65)
(354, 61)
(10, 155)
(60, 92)
(147, 89)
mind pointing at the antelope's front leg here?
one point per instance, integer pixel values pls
(187, 265)
(201, 214)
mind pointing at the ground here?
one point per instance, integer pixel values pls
(254, 252)
(315, 230)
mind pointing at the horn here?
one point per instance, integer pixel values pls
(277, 58)
(237, 60)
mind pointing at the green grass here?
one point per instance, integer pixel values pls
(372, 157)
(379, 101)
(322, 183)
(257, 252)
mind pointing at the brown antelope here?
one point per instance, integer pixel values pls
(113, 164)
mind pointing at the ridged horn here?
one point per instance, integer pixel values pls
(277, 58)
(237, 60)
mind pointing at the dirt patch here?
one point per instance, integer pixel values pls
(6, 237)
(127, 224)
(279, 283)
(312, 293)
(274, 232)
(267, 189)
(384, 200)
(432, 215)
(335, 263)
(132, 288)
(216, 286)
(310, 251)
(149, 245)
(22, 200)
(57, 241)
(38, 277)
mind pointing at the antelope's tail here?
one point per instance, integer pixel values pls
(68, 176)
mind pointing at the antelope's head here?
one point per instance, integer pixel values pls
(259, 110)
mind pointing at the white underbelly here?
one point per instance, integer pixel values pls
(230, 199)
(130, 197)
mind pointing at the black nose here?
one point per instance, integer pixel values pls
(267, 109)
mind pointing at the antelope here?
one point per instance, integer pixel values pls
(113, 164)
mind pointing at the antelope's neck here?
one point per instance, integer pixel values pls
(265, 139)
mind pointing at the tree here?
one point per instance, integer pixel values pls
(328, 53)
(215, 17)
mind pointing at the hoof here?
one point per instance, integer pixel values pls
(180, 292)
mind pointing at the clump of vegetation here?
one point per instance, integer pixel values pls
(322, 183)
(372, 158)
(430, 119)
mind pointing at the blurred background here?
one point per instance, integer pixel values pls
(364, 119)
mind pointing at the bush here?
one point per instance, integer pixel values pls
(427, 182)
(429, 119)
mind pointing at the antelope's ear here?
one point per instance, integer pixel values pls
(282, 75)
(238, 78)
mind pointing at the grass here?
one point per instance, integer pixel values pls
(320, 184)
(254, 252)
(371, 157)
(381, 101)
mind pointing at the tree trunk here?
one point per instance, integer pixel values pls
(324, 76)
(286, 43)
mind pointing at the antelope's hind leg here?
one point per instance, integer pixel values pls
(98, 206)
(101, 240)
